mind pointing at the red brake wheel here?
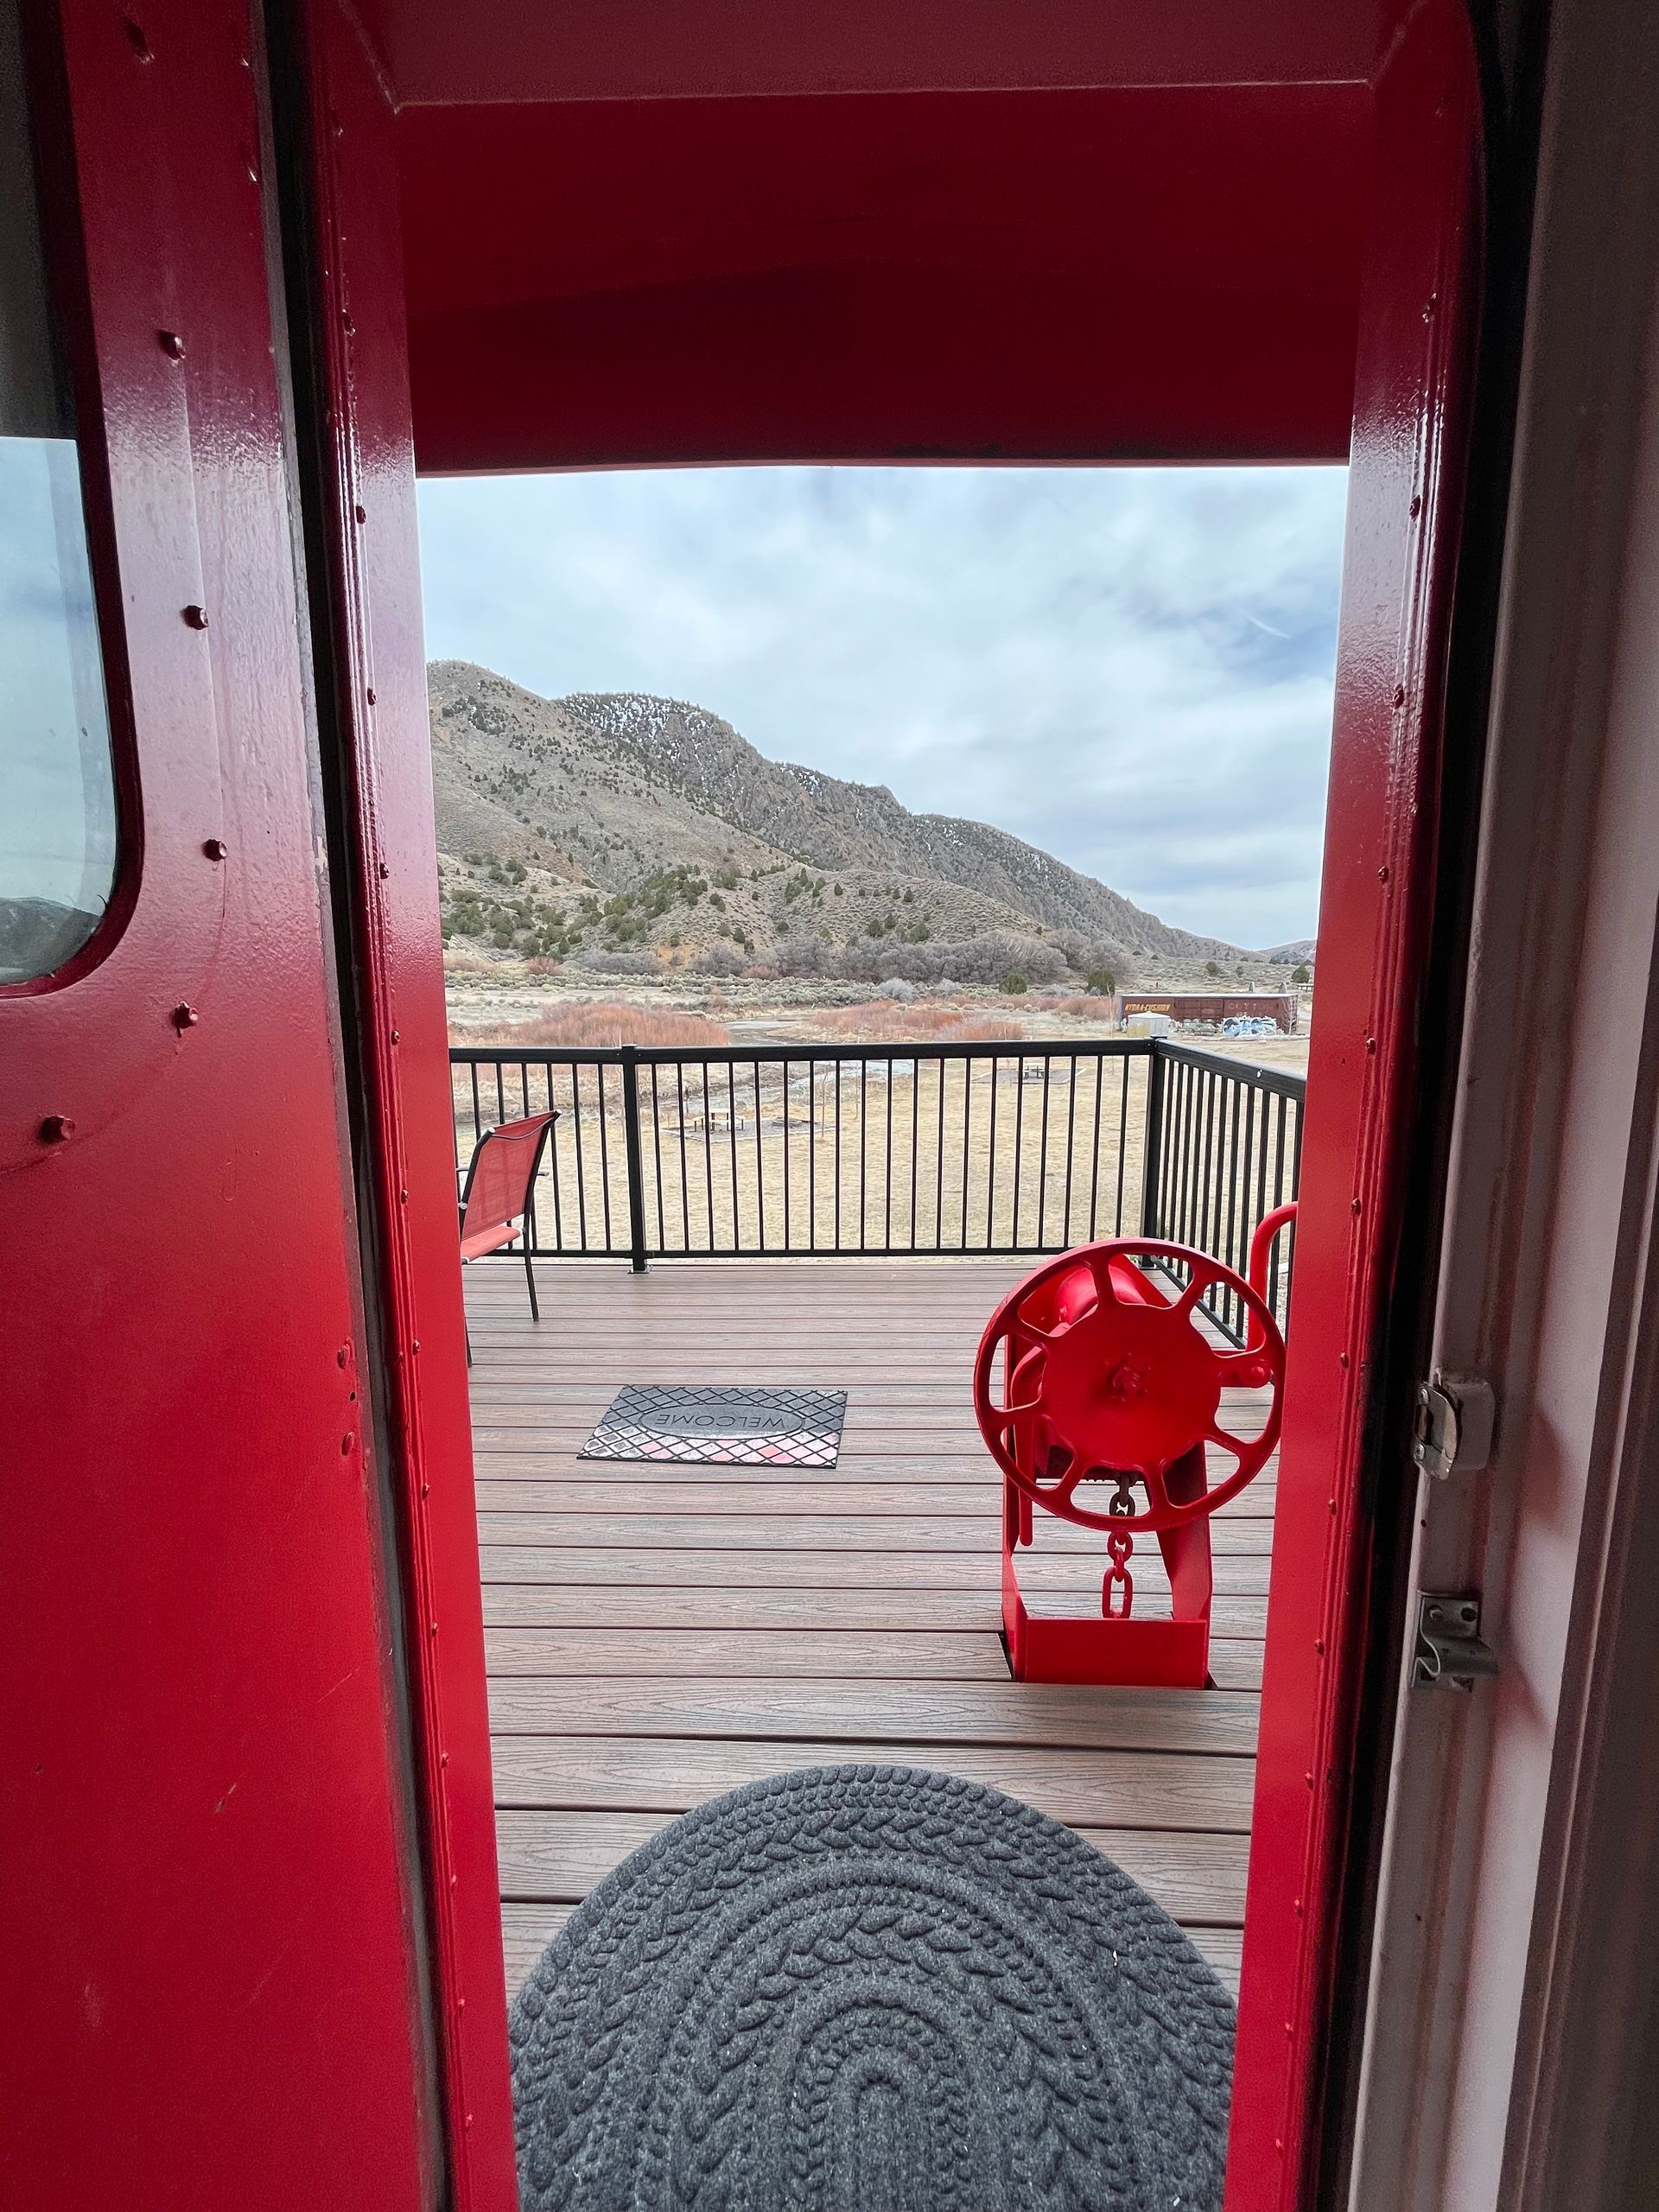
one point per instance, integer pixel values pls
(1090, 1372)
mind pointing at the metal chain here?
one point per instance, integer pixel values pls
(1120, 1545)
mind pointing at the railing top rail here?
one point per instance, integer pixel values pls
(1285, 1081)
(1117, 1048)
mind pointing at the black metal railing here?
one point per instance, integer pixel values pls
(722, 1153)
(971, 1149)
(1223, 1150)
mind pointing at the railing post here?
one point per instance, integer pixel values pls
(636, 1159)
(1153, 1145)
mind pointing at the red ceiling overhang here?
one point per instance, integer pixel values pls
(651, 233)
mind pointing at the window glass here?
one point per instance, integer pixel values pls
(57, 786)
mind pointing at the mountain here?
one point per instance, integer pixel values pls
(609, 822)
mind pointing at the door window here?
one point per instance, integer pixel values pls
(58, 827)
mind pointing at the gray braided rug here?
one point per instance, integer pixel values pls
(870, 1989)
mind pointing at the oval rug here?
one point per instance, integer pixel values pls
(870, 1989)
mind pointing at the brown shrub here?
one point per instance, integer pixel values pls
(883, 1022)
(988, 1032)
(1086, 1009)
(607, 1021)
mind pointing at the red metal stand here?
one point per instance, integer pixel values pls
(1105, 1379)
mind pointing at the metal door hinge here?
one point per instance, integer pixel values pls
(1449, 1648)
(1453, 1431)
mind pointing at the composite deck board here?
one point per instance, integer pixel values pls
(915, 1534)
(728, 1566)
(726, 1489)
(1004, 1713)
(662, 1606)
(776, 1660)
(657, 1634)
(1158, 1790)
(644, 1606)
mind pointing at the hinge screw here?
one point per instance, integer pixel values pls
(215, 847)
(185, 1016)
(57, 1129)
(171, 344)
(195, 617)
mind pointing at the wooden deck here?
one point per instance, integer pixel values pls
(657, 1635)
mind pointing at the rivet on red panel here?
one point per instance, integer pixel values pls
(215, 848)
(185, 1016)
(57, 1129)
(171, 344)
(136, 39)
(194, 617)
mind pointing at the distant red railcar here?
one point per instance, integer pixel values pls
(1192, 1006)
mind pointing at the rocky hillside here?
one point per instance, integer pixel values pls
(612, 827)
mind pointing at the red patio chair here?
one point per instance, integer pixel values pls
(495, 1199)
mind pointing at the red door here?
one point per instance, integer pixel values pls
(217, 1895)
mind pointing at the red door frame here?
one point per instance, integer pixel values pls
(1413, 389)
(371, 649)
(1415, 363)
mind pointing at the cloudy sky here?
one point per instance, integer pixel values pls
(1129, 667)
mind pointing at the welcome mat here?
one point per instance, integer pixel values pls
(717, 1424)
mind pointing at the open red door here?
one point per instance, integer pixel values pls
(223, 1874)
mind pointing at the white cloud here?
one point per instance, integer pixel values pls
(1130, 667)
